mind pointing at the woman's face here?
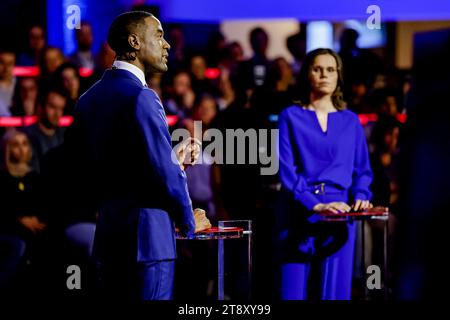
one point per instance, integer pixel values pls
(323, 75)
(19, 149)
(28, 89)
(198, 67)
(181, 84)
(207, 111)
(71, 81)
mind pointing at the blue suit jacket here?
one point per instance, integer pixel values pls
(120, 149)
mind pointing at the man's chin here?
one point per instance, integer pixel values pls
(160, 69)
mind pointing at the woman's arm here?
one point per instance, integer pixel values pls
(289, 177)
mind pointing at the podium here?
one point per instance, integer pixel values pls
(376, 213)
(224, 233)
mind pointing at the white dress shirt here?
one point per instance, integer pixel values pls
(131, 68)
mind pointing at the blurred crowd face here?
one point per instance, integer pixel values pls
(155, 83)
(176, 38)
(85, 37)
(53, 58)
(284, 70)
(206, 110)
(7, 62)
(71, 82)
(390, 106)
(54, 109)
(237, 53)
(198, 67)
(28, 94)
(181, 84)
(19, 149)
(36, 38)
(391, 139)
(323, 75)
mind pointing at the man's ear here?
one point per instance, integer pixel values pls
(134, 41)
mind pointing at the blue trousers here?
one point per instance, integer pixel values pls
(142, 281)
(334, 274)
(318, 256)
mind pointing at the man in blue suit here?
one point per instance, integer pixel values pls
(120, 148)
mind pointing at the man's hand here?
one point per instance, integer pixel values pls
(201, 221)
(333, 207)
(188, 152)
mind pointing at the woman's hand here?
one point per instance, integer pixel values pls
(361, 205)
(333, 207)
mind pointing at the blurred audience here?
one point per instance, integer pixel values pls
(20, 219)
(182, 96)
(83, 57)
(36, 44)
(68, 77)
(51, 59)
(46, 133)
(215, 86)
(7, 80)
(25, 97)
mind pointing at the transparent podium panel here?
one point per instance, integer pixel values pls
(234, 261)
(360, 217)
(232, 241)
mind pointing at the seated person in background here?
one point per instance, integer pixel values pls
(7, 80)
(20, 221)
(83, 57)
(25, 97)
(181, 96)
(51, 59)
(68, 77)
(36, 44)
(46, 133)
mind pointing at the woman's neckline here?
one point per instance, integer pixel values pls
(315, 111)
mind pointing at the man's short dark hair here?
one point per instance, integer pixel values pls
(122, 26)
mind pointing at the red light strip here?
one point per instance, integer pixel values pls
(171, 120)
(10, 121)
(26, 71)
(20, 71)
(212, 73)
(65, 121)
(365, 118)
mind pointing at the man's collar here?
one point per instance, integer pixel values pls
(131, 68)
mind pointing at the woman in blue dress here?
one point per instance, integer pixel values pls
(324, 167)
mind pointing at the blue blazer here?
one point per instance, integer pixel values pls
(120, 149)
